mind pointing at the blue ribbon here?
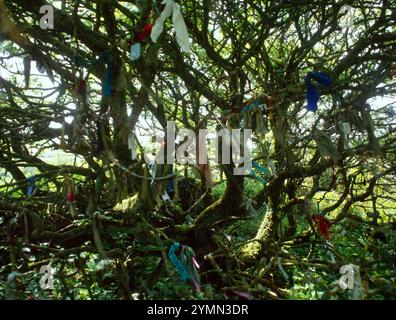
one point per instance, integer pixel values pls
(258, 167)
(30, 188)
(254, 104)
(261, 169)
(108, 79)
(170, 187)
(183, 272)
(312, 92)
(321, 77)
(136, 49)
(262, 180)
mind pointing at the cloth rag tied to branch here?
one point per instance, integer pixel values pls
(312, 92)
(172, 8)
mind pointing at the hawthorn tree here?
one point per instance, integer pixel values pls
(73, 89)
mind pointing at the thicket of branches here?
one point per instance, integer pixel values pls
(243, 231)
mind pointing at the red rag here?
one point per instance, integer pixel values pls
(70, 197)
(323, 224)
(140, 36)
(82, 87)
(236, 109)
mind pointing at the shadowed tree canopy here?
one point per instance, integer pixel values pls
(71, 193)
